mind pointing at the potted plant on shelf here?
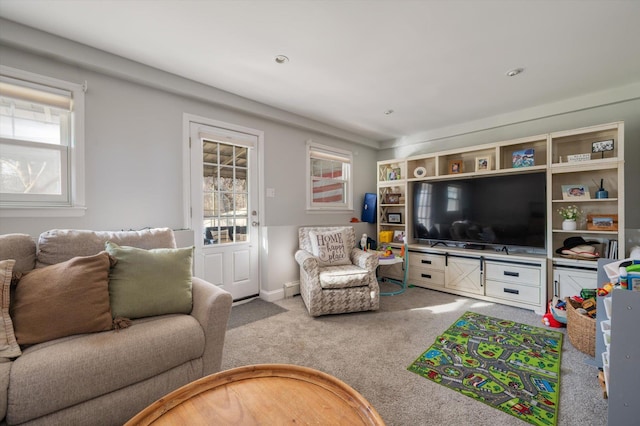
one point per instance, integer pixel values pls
(570, 214)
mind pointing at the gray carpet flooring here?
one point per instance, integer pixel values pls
(371, 351)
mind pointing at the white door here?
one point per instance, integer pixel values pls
(224, 206)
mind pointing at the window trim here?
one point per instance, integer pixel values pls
(75, 168)
(337, 154)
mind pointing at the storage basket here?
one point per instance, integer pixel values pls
(581, 329)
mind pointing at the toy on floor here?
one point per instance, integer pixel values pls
(549, 319)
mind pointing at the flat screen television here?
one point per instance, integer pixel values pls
(505, 210)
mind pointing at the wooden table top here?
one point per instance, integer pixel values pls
(266, 394)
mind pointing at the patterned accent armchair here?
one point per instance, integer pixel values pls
(335, 289)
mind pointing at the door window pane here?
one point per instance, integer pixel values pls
(225, 193)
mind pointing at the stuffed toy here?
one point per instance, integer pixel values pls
(550, 321)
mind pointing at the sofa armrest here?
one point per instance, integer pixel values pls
(211, 307)
(306, 260)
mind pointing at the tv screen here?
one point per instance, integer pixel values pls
(506, 210)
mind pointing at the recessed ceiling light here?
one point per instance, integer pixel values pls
(514, 72)
(281, 59)
(388, 112)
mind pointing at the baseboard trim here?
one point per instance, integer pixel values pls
(272, 296)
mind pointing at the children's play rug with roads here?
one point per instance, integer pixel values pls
(510, 366)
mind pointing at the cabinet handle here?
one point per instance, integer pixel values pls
(426, 276)
(512, 274)
(510, 290)
(428, 262)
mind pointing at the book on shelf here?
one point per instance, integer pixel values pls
(612, 249)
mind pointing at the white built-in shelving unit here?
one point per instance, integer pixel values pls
(519, 279)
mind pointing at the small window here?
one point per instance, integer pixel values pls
(328, 178)
(40, 141)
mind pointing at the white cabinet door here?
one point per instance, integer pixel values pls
(464, 275)
(569, 281)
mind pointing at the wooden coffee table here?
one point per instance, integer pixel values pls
(267, 394)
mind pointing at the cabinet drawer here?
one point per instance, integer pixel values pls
(424, 276)
(517, 274)
(515, 292)
(429, 261)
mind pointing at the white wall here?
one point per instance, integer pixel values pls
(133, 143)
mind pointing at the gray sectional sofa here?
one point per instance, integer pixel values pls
(103, 377)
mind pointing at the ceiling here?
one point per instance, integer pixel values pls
(436, 64)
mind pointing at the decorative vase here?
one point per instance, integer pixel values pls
(569, 225)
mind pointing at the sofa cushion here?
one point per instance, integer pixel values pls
(5, 369)
(145, 283)
(343, 277)
(59, 245)
(68, 298)
(21, 248)
(61, 373)
(8, 346)
(330, 247)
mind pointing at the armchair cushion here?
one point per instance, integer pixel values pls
(343, 276)
(330, 247)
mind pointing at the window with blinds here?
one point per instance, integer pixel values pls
(329, 178)
(36, 141)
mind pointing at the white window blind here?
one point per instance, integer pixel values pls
(329, 178)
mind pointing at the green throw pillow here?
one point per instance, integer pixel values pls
(146, 283)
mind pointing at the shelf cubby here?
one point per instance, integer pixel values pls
(581, 142)
(507, 151)
(426, 163)
(391, 171)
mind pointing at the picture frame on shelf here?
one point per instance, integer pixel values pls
(575, 192)
(392, 198)
(523, 158)
(602, 222)
(455, 166)
(483, 163)
(602, 146)
(398, 236)
(394, 217)
(394, 173)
